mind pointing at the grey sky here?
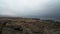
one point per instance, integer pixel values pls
(35, 8)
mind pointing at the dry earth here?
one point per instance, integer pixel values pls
(28, 26)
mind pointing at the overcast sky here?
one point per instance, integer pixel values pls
(30, 8)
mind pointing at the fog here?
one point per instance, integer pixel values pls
(30, 8)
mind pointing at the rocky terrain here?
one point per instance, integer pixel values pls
(28, 26)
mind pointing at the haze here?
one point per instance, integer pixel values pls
(30, 8)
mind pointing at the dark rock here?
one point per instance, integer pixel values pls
(18, 28)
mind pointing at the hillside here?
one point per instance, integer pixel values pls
(9, 25)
